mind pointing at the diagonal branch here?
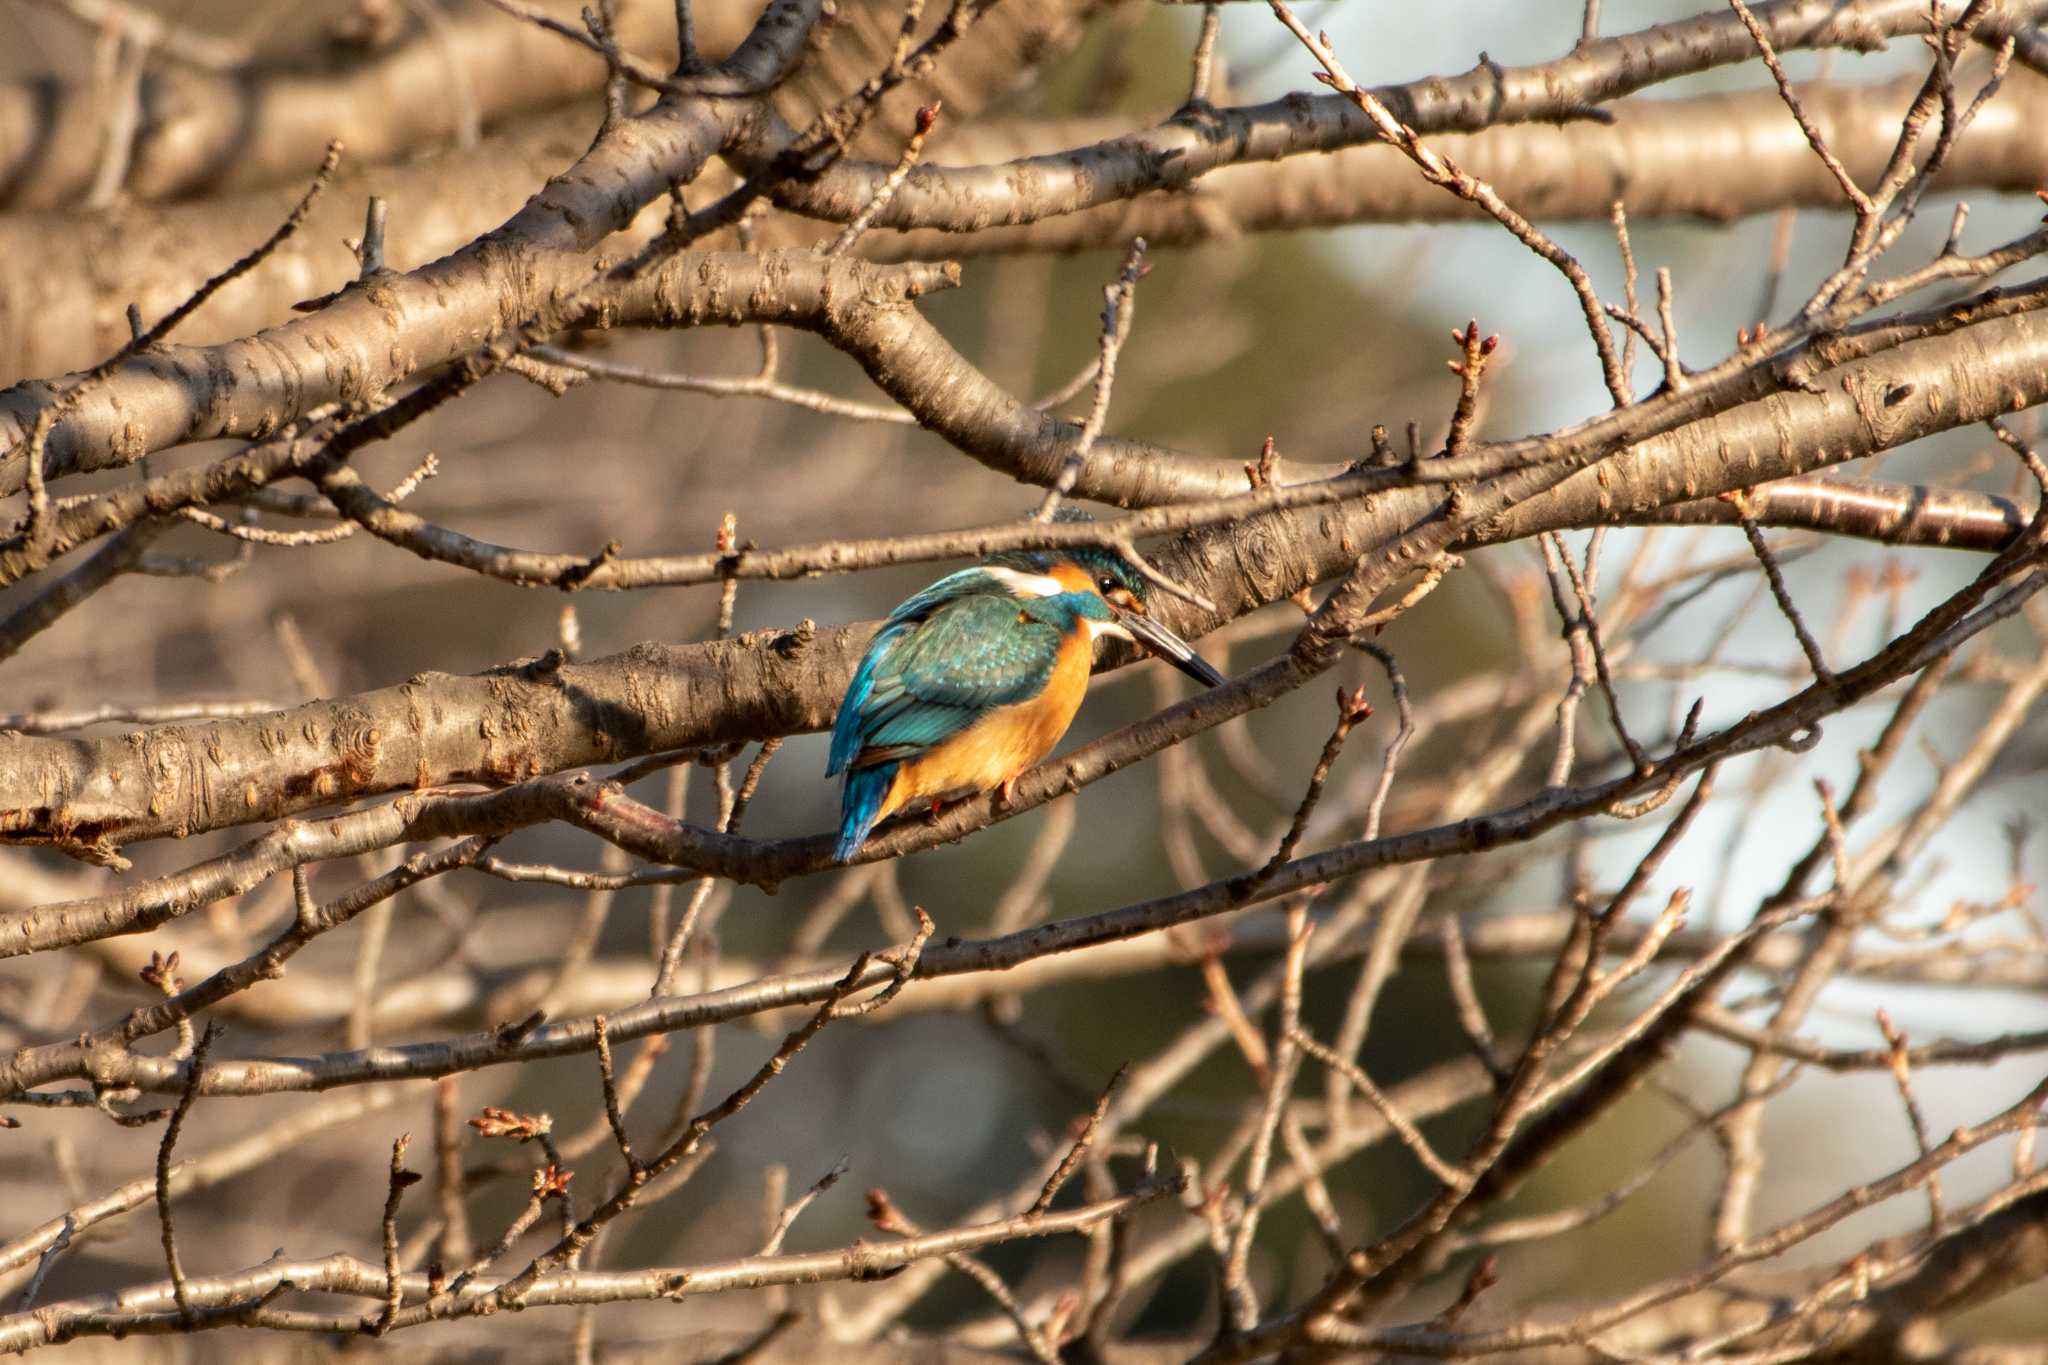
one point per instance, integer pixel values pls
(549, 716)
(366, 340)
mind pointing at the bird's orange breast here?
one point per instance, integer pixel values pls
(1002, 743)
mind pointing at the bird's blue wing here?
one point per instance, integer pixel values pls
(924, 681)
(846, 729)
(848, 733)
(964, 583)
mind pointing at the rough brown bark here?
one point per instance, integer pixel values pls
(1196, 141)
(364, 824)
(1710, 157)
(184, 779)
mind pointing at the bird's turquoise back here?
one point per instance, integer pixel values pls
(923, 682)
(846, 729)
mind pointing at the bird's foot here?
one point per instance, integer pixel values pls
(938, 807)
(1007, 790)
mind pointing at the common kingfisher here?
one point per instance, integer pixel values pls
(973, 680)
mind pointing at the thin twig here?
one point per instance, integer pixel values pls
(453, 1243)
(1850, 190)
(1452, 1177)
(794, 1209)
(1119, 306)
(401, 1180)
(1779, 592)
(1202, 72)
(614, 1111)
(1352, 708)
(195, 1070)
(1440, 170)
(1078, 1150)
(292, 223)
(927, 119)
(1584, 623)
(1901, 1068)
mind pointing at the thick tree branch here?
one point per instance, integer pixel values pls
(57, 320)
(132, 1310)
(386, 806)
(1892, 514)
(1652, 155)
(2005, 585)
(183, 395)
(579, 799)
(225, 130)
(1975, 1264)
(537, 718)
(1197, 141)
(373, 336)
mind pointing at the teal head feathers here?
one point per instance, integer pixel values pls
(1119, 584)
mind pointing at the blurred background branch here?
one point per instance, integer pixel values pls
(424, 577)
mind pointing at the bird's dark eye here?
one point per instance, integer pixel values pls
(1106, 585)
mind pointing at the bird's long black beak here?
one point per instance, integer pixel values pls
(1168, 646)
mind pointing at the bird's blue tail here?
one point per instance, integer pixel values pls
(860, 806)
